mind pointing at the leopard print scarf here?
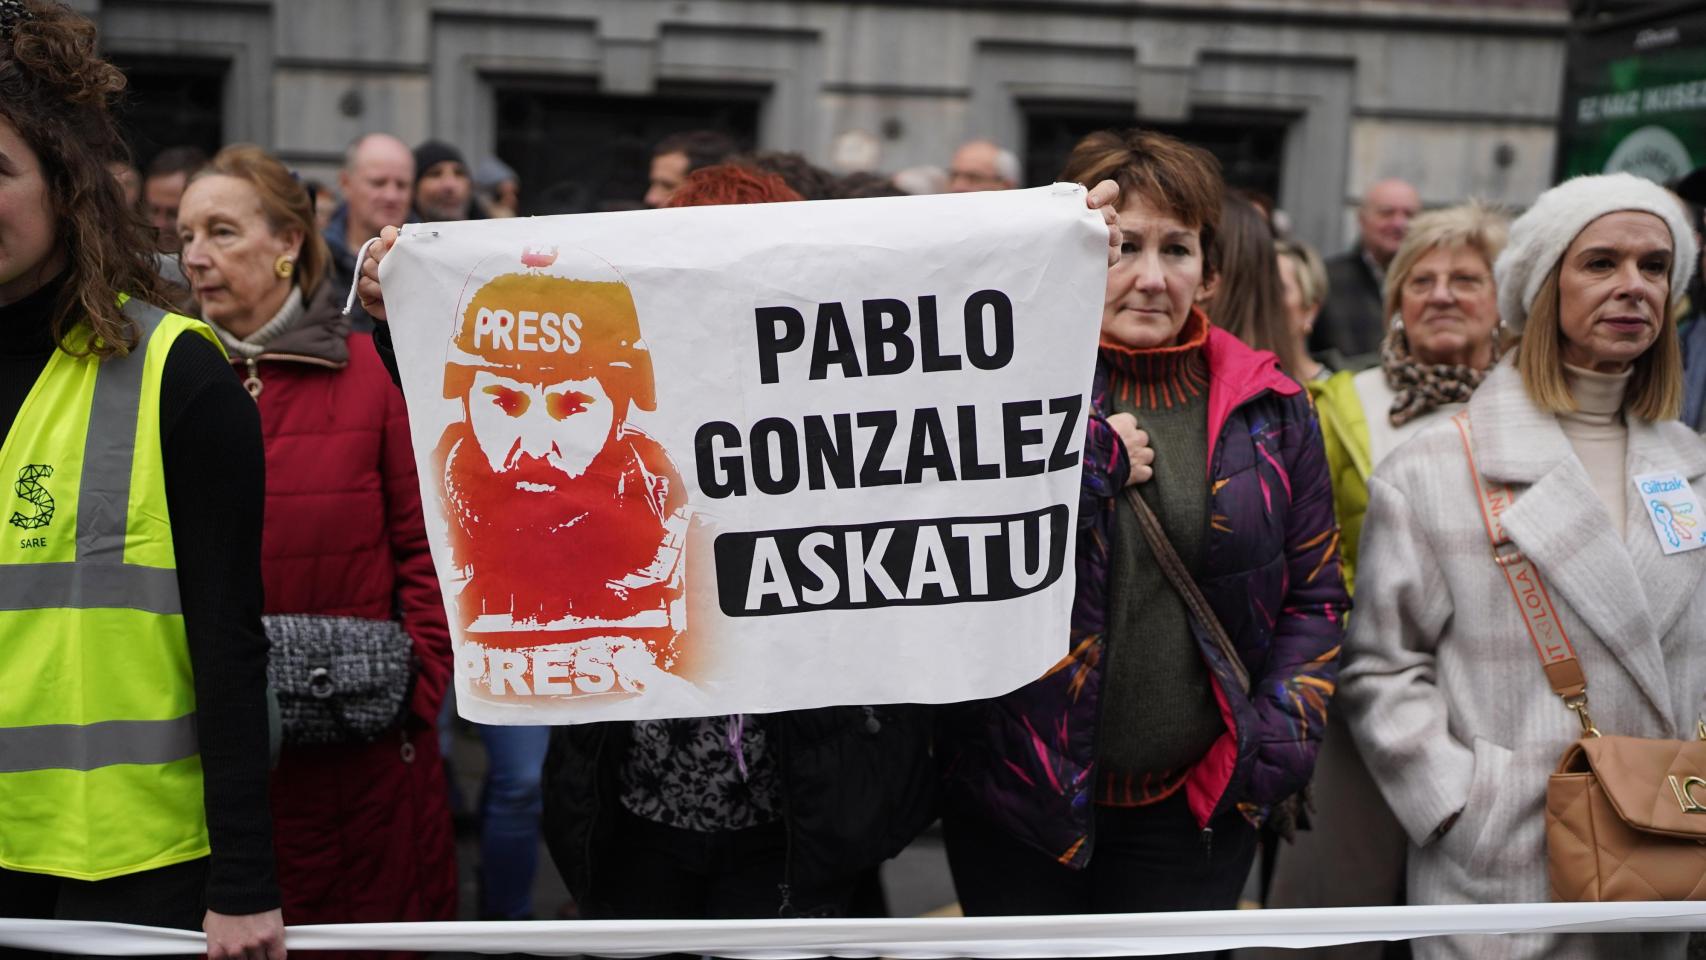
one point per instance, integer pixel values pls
(1423, 387)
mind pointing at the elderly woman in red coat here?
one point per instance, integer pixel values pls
(362, 829)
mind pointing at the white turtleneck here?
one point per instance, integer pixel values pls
(1599, 436)
(255, 344)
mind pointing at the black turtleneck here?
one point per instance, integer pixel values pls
(210, 435)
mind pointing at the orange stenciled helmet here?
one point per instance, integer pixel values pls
(562, 315)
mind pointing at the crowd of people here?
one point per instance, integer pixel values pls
(1271, 433)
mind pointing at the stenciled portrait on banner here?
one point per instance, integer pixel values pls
(567, 522)
(748, 458)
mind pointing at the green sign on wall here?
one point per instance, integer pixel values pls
(1636, 99)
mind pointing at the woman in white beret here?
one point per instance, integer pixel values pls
(1445, 692)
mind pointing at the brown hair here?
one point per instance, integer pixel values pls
(703, 148)
(1170, 174)
(284, 202)
(802, 176)
(1249, 296)
(1655, 385)
(57, 91)
(176, 160)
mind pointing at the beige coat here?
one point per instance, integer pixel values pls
(1445, 693)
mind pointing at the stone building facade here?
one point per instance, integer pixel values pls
(1309, 100)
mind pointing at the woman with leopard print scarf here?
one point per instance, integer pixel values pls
(1443, 339)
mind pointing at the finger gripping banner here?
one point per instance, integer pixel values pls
(752, 458)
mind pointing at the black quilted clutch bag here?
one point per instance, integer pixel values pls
(338, 679)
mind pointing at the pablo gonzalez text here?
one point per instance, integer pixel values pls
(904, 561)
(847, 450)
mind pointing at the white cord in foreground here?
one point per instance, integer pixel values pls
(360, 258)
(910, 939)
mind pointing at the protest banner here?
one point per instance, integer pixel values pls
(751, 458)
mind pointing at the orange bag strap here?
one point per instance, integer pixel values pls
(1539, 615)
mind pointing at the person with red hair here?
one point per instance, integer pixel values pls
(728, 183)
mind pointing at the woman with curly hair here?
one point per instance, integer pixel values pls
(133, 730)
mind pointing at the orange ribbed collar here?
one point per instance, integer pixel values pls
(1160, 376)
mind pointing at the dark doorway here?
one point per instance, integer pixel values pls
(1248, 144)
(576, 149)
(172, 101)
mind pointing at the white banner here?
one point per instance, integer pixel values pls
(1099, 935)
(751, 458)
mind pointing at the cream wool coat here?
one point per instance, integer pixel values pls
(1444, 691)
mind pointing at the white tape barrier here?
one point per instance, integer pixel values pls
(1102, 935)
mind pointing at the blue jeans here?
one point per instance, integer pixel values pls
(510, 805)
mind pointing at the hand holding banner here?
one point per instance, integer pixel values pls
(752, 458)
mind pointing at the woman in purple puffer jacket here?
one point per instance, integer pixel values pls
(1133, 776)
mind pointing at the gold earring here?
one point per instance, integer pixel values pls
(284, 267)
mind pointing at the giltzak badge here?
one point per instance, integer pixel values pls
(1674, 510)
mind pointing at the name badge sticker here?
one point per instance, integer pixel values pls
(1674, 510)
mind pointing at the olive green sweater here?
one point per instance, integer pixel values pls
(1159, 714)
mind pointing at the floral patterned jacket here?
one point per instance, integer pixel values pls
(1025, 761)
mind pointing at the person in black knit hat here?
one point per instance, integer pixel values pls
(444, 187)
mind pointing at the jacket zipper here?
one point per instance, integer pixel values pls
(1095, 749)
(252, 382)
(1234, 662)
(786, 887)
(1207, 834)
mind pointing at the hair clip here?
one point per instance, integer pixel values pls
(12, 13)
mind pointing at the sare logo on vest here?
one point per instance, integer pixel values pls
(38, 511)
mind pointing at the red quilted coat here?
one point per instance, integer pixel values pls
(362, 831)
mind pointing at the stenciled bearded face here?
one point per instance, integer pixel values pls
(552, 504)
(539, 433)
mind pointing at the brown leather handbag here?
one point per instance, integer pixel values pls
(1625, 816)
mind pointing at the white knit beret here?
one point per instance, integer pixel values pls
(1539, 237)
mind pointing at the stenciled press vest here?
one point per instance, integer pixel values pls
(100, 770)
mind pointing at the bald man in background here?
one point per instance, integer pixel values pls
(1351, 322)
(378, 184)
(982, 165)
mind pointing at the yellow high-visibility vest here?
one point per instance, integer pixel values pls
(100, 768)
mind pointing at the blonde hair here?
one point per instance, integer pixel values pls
(1655, 386)
(1308, 268)
(1473, 225)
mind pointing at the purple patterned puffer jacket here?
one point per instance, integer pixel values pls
(1025, 761)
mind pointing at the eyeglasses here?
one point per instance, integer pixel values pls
(1460, 284)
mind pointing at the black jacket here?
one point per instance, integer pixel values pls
(858, 785)
(1351, 322)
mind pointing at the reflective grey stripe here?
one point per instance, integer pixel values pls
(86, 586)
(103, 493)
(68, 746)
